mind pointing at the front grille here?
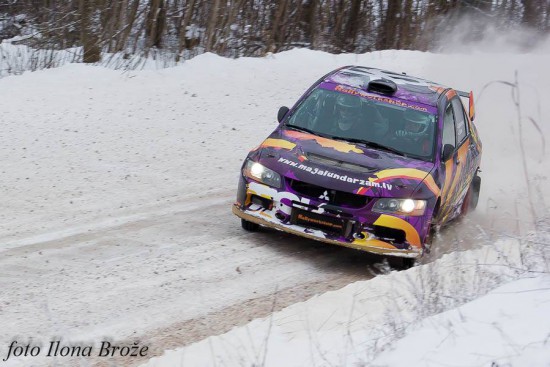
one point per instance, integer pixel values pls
(335, 197)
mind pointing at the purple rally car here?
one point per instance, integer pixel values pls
(367, 159)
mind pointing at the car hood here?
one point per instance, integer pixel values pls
(343, 166)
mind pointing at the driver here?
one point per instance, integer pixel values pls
(348, 113)
(417, 130)
(358, 119)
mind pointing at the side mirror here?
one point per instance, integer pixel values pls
(282, 113)
(448, 151)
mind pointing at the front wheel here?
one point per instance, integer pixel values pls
(249, 226)
(401, 263)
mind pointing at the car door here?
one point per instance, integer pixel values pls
(465, 146)
(456, 135)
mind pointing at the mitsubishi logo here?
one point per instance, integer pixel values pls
(324, 196)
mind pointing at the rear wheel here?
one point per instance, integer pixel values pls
(472, 196)
(249, 226)
(475, 187)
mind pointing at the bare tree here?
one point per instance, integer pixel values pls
(89, 31)
(155, 23)
(183, 28)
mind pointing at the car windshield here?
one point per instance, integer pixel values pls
(395, 128)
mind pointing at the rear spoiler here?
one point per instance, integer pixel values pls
(470, 96)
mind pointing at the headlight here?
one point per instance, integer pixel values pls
(257, 172)
(400, 206)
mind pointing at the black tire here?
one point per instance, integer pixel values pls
(428, 241)
(472, 196)
(249, 226)
(475, 187)
(401, 263)
(432, 231)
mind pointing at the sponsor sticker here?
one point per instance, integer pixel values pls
(335, 176)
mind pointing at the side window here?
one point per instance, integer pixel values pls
(449, 127)
(461, 131)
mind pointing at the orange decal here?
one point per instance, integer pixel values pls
(472, 109)
(462, 155)
(437, 89)
(462, 151)
(410, 173)
(265, 214)
(278, 143)
(450, 94)
(372, 242)
(324, 142)
(448, 177)
(361, 190)
(450, 189)
(393, 222)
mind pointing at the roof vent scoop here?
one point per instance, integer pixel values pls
(382, 86)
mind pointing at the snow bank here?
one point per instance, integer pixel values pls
(508, 326)
(390, 320)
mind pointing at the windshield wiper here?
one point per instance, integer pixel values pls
(372, 144)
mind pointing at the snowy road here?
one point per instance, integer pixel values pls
(170, 279)
(166, 280)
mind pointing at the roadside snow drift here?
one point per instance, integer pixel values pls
(387, 321)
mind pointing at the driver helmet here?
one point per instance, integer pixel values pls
(348, 109)
(416, 122)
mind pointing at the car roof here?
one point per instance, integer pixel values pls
(408, 87)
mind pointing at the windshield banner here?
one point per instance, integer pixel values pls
(378, 98)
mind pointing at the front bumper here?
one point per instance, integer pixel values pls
(282, 204)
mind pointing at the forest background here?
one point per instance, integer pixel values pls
(176, 30)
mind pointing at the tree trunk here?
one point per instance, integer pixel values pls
(277, 35)
(189, 9)
(127, 21)
(531, 13)
(351, 27)
(407, 17)
(310, 22)
(156, 20)
(89, 32)
(229, 20)
(211, 30)
(388, 29)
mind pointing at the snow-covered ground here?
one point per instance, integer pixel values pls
(115, 222)
(412, 318)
